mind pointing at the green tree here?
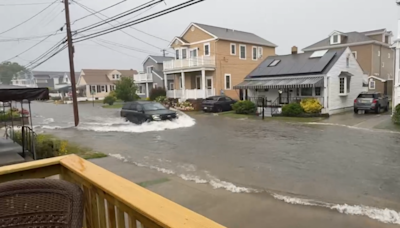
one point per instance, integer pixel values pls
(8, 70)
(126, 89)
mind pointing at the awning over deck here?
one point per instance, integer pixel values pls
(18, 93)
(281, 82)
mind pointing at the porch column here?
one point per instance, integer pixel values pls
(183, 85)
(147, 90)
(203, 83)
(165, 82)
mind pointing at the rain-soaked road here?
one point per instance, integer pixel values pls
(328, 163)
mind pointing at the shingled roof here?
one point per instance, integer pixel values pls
(99, 76)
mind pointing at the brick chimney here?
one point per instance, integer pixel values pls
(294, 50)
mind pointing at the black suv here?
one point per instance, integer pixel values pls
(144, 111)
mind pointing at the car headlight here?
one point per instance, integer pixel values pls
(156, 117)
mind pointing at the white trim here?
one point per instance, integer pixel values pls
(155, 85)
(379, 53)
(252, 53)
(334, 32)
(344, 86)
(195, 82)
(158, 75)
(195, 25)
(181, 52)
(389, 55)
(173, 85)
(173, 41)
(212, 82)
(346, 45)
(383, 64)
(240, 51)
(180, 83)
(230, 81)
(339, 38)
(230, 47)
(354, 53)
(209, 49)
(202, 41)
(260, 53)
(370, 84)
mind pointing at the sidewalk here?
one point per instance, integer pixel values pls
(235, 210)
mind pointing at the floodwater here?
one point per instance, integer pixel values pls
(331, 164)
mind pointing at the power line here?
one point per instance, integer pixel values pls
(28, 18)
(112, 49)
(140, 20)
(48, 58)
(126, 47)
(55, 47)
(89, 10)
(98, 11)
(18, 39)
(25, 4)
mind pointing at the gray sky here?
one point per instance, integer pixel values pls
(285, 23)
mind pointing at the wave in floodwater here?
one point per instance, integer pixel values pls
(117, 124)
(383, 215)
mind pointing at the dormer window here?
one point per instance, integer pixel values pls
(335, 39)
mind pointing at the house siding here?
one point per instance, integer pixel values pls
(196, 35)
(378, 37)
(336, 103)
(383, 65)
(364, 57)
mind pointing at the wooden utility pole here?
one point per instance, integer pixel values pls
(163, 51)
(71, 63)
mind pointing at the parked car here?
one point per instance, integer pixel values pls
(139, 112)
(371, 101)
(217, 104)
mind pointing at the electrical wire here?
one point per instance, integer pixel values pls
(97, 11)
(26, 38)
(112, 49)
(126, 46)
(16, 26)
(89, 10)
(140, 20)
(48, 58)
(53, 48)
(26, 4)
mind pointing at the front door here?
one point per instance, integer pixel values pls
(198, 82)
(209, 86)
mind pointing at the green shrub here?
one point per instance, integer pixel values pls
(292, 109)
(8, 115)
(244, 107)
(311, 105)
(157, 92)
(109, 100)
(161, 99)
(396, 115)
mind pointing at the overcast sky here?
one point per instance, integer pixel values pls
(285, 23)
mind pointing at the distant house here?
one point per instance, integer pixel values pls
(98, 83)
(372, 51)
(53, 80)
(152, 75)
(332, 76)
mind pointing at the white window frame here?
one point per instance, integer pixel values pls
(230, 82)
(379, 53)
(113, 76)
(260, 52)
(370, 83)
(103, 88)
(240, 51)
(171, 86)
(155, 85)
(333, 39)
(252, 53)
(149, 67)
(344, 86)
(209, 49)
(389, 55)
(141, 89)
(354, 53)
(233, 45)
(181, 53)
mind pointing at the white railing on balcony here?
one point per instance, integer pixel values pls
(145, 77)
(202, 61)
(190, 93)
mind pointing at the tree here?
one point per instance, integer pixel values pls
(126, 89)
(8, 70)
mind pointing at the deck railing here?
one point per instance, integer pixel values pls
(110, 200)
(192, 62)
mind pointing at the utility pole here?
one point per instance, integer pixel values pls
(71, 63)
(163, 51)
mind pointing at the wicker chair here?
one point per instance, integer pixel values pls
(41, 203)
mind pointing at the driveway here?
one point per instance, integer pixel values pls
(367, 120)
(251, 162)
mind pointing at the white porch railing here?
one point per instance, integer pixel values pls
(145, 77)
(202, 61)
(190, 93)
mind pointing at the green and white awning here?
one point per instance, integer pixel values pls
(281, 82)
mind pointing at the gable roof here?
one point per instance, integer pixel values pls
(297, 65)
(235, 35)
(99, 76)
(158, 59)
(352, 38)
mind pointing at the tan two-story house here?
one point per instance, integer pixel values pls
(209, 60)
(372, 51)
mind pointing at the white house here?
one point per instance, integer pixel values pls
(332, 76)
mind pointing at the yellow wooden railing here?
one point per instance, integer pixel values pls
(111, 201)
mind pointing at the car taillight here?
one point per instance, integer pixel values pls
(374, 101)
(355, 100)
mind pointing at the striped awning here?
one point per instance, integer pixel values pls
(284, 82)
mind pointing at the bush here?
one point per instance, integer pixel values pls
(244, 107)
(292, 109)
(311, 105)
(396, 115)
(185, 106)
(10, 114)
(109, 100)
(157, 92)
(161, 99)
(113, 94)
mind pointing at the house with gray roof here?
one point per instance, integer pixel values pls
(152, 75)
(208, 60)
(332, 76)
(372, 51)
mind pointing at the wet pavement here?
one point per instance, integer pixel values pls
(335, 164)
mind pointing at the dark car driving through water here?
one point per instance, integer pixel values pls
(139, 112)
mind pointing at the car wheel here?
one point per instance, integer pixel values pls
(219, 109)
(378, 108)
(356, 111)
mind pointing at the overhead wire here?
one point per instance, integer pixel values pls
(25, 4)
(140, 20)
(50, 50)
(97, 11)
(16, 26)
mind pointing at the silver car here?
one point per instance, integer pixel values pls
(371, 101)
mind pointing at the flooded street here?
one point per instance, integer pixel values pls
(332, 164)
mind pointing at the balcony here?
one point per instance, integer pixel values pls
(110, 200)
(190, 93)
(190, 63)
(144, 77)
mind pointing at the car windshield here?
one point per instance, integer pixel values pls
(212, 98)
(153, 107)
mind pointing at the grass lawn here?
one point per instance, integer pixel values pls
(116, 106)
